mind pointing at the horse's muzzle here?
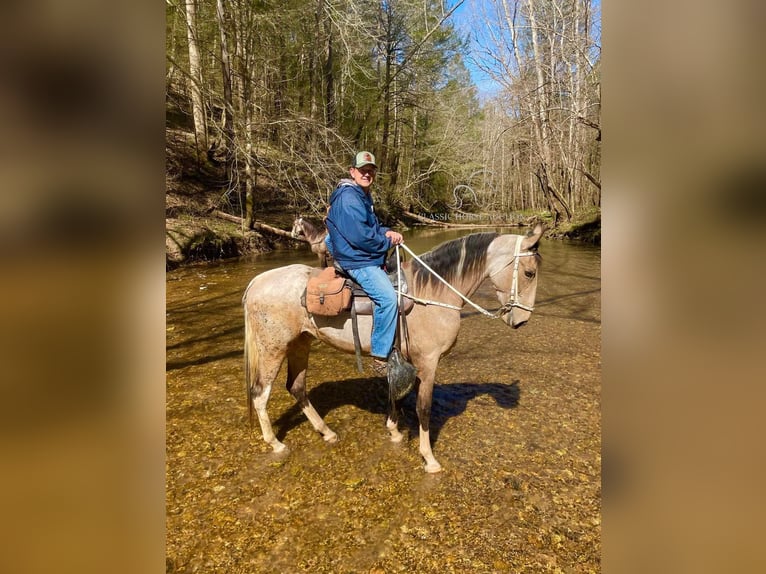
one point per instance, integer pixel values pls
(517, 325)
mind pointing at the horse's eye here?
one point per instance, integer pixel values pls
(530, 273)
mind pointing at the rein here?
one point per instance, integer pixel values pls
(512, 302)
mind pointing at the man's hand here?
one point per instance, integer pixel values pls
(396, 238)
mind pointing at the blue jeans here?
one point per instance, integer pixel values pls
(375, 283)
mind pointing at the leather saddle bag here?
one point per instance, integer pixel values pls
(327, 294)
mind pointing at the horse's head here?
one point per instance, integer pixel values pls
(297, 230)
(512, 262)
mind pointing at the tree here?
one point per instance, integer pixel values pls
(227, 115)
(195, 80)
(543, 55)
(288, 90)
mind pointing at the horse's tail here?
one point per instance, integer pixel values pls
(251, 363)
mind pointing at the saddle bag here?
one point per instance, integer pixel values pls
(327, 294)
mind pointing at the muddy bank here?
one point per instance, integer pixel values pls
(190, 240)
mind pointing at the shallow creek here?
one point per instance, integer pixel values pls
(516, 424)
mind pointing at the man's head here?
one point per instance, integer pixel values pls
(363, 169)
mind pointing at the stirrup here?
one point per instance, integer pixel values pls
(401, 376)
(400, 388)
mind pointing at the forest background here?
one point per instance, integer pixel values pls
(480, 111)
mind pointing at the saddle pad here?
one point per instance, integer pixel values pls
(363, 304)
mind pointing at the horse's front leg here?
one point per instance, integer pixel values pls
(425, 395)
(392, 422)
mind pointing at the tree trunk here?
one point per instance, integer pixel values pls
(195, 83)
(255, 226)
(383, 164)
(249, 171)
(551, 193)
(329, 80)
(268, 228)
(228, 104)
(543, 131)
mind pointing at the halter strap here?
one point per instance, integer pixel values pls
(517, 253)
(515, 283)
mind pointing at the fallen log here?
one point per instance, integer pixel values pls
(256, 226)
(228, 216)
(275, 230)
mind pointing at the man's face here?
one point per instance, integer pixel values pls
(363, 176)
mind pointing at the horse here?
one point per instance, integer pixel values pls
(304, 229)
(277, 326)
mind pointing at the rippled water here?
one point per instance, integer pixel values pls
(515, 423)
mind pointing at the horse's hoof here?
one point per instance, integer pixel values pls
(397, 438)
(396, 435)
(278, 446)
(393, 428)
(330, 437)
(433, 467)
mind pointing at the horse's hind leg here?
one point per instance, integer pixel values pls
(266, 373)
(297, 363)
(262, 363)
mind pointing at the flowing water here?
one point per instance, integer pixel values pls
(515, 422)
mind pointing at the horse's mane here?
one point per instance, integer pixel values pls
(453, 259)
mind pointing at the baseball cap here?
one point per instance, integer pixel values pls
(364, 158)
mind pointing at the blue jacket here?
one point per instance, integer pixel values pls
(356, 237)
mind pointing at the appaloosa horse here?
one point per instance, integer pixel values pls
(304, 229)
(278, 327)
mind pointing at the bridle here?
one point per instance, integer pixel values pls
(513, 300)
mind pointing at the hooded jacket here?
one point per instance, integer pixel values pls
(357, 239)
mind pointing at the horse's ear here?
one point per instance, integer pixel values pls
(532, 238)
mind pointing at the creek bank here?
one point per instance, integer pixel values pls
(212, 237)
(586, 229)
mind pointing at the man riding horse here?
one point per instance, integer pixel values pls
(359, 244)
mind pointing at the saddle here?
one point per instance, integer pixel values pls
(331, 291)
(362, 304)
